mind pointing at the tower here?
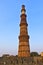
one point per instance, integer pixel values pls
(24, 48)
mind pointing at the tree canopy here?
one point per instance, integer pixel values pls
(34, 54)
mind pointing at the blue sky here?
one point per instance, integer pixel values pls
(10, 11)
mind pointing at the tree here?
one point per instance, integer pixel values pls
(34, 54)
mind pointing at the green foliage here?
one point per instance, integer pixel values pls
(34, 54)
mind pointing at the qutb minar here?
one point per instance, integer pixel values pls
(24, 47)
(24, 56)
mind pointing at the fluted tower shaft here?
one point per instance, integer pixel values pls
(24, 48)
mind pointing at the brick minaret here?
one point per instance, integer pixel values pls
(24, 48)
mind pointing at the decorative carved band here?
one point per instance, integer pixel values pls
(24, 51)
(23, 24)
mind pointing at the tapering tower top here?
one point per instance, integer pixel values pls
(23, 9)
